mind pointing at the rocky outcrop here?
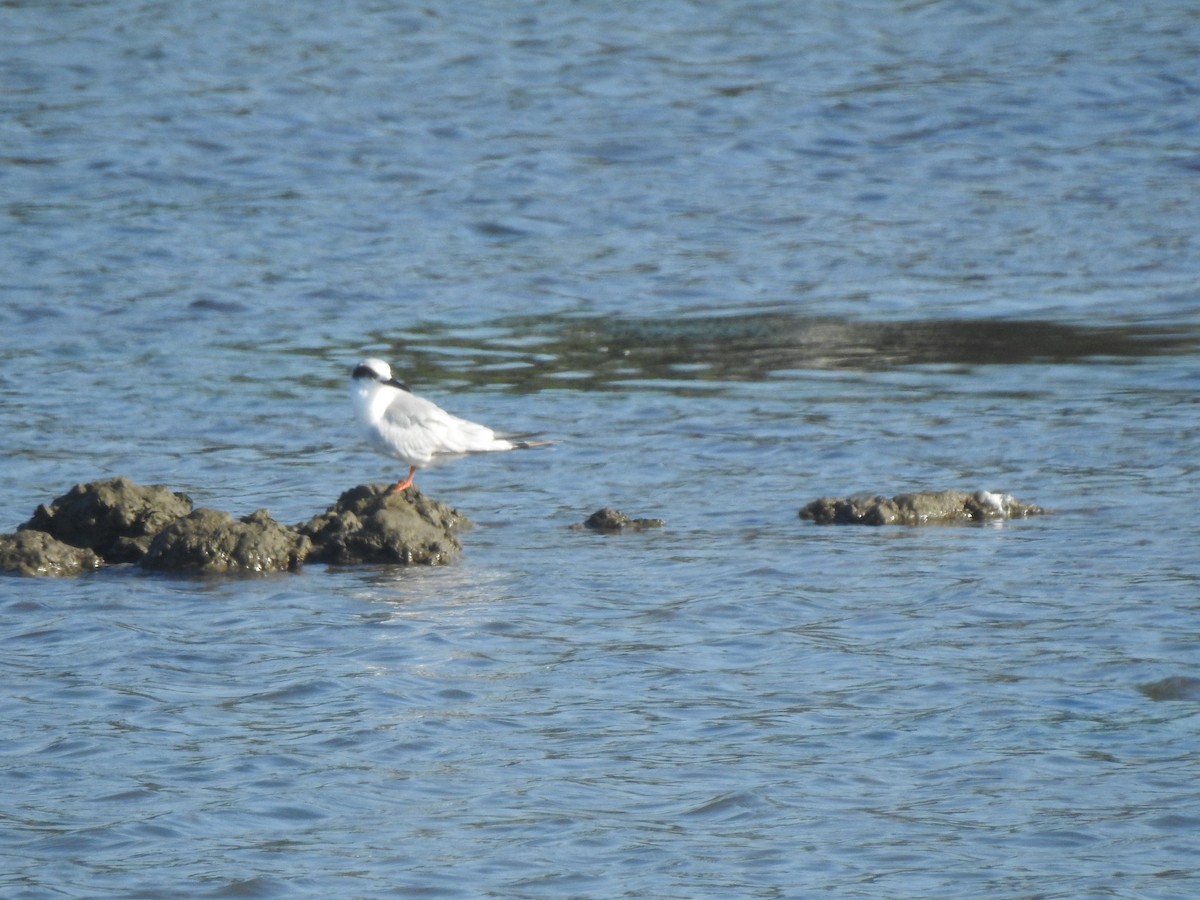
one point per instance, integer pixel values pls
(117, 521)
(610, 521)
(37, 553)
(374, 524)
(922, 508)
(211, 542)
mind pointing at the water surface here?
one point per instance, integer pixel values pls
(732, 257)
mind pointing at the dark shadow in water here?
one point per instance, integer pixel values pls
(532, 354)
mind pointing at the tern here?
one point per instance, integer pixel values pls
(414, 430)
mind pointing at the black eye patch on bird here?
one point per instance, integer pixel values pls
(364, 371)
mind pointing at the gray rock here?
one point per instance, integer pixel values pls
(611, 520)
(37, 553)
(117, 518)
(922, 508)
(372, 524)
(1177, 687)
(211, 542)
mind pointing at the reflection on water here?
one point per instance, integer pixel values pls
(594, 353)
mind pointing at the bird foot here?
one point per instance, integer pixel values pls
(406, 483)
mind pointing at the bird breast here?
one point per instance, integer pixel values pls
(371, 401)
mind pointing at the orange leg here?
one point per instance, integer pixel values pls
(407, 482)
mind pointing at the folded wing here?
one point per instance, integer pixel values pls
(420, 431)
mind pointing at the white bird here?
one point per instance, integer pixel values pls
(399, 423)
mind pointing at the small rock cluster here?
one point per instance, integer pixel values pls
(611, 521)
(921, 508)
(118, 521)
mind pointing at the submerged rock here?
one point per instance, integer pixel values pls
(37, 553)
(922, 508)
(372, 524)
(1177, 687)
(211, 542)
(611, 520)
(116, 519)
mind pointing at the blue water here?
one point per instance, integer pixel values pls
(672, 237)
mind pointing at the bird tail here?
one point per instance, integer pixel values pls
(520, 443)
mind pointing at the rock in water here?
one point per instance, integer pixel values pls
(116, 519)
(922, 508)
(119, 521)
(211, 542)
(1177, 687)
(372, 524)
(37, 553)
(611, 521)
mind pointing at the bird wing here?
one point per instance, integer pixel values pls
(420, 431)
